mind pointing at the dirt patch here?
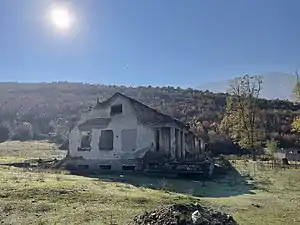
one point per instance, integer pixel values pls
(182, 214)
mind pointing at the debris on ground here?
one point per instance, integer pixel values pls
(285, 162)
(255, 205)
(184, 214)
(38, 163)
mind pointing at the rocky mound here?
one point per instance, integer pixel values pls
(181, 214)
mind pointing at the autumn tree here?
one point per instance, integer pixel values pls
(241, 121)
(296, 90)
(296, 124)
(296, 121)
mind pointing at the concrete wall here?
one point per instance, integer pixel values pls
(126, 120)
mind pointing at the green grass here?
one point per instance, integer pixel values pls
(45, 198)
(55, 197)
(277, 192)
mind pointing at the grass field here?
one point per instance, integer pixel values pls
(258, 197)
(16, 151)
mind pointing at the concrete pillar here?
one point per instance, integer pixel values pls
(193, 144)
(197, 147)
(173, 142)
(178, 144)
(161, 141)
(200, 146)
(182, 134)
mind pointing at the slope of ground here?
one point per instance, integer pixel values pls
(261, 196)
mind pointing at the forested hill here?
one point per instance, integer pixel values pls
(53, 107)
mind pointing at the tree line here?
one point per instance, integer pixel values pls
(230, 122)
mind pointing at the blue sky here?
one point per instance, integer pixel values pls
(142, 42)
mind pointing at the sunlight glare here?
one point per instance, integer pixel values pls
(61, 18)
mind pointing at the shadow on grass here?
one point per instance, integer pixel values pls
(226, 185)
(231, 183)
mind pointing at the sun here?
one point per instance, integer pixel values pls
(61, 18)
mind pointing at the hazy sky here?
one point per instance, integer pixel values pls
(141, 42)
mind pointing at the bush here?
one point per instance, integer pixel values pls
(40, 137)
(271, 147)
(4, 133)
(22, 134)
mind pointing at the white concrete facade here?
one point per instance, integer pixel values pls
(126, 120)
(140, 137)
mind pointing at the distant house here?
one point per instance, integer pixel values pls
(121, 132)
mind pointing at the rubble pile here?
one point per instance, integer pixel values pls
(182, 214)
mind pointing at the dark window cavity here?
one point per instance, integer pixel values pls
(128, 168)
(105, 167)
(116, 109)
(85, 141)
(84, 167)
(106, 141)
(157, 140)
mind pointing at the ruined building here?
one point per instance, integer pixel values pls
(122, 133)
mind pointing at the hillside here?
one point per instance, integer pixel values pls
(55, 107)
(283, 83)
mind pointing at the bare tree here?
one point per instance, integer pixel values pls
(297, 87)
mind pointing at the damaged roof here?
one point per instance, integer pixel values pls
(97, 123)
(145, 114)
